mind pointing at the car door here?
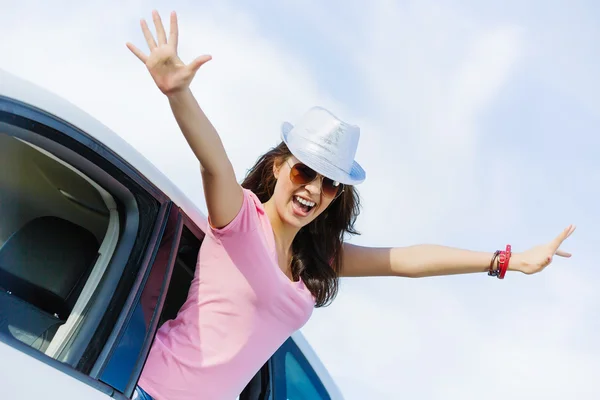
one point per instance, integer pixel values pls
(83, 235)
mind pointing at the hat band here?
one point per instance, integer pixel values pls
(326, 153)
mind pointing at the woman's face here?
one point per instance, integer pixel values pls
(297, 205)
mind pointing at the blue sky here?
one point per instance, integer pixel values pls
(479, 126)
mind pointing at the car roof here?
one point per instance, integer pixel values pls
(16, 88)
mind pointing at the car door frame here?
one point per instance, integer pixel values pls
(107, 168)
(176, 222)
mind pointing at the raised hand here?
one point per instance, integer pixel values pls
(170, 74)
(539, 257)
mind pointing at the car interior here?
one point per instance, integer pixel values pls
(57, 232)
(182, 275)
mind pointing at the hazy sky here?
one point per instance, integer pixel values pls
(479, 126)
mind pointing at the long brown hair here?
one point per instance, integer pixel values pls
(317, 248)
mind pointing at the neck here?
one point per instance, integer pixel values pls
(284, 233)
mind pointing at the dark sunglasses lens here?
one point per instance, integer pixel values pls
(300, 174)
(331, 188)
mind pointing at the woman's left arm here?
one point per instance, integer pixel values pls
(433, 260)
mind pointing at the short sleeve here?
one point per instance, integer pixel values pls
(246, 220)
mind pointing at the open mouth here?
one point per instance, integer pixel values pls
(303, 206)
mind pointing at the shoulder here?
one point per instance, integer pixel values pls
(247, 219)
(249, 195)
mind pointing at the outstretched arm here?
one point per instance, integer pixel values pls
(433, 260)
(222, 191)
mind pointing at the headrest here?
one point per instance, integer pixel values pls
(50, 253)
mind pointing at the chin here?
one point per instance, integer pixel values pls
(300, 221)
(290, 218)
(297, 223)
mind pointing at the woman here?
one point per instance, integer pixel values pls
(274, 248)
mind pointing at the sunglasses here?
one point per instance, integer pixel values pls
(301, 174)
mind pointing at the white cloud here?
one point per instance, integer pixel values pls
(430, 94)
(431, 73)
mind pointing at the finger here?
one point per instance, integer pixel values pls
(562, 253)
(160, 30)
(198, 62)
(563, 235)
(138, 53)
(174, 32)
(148, 35)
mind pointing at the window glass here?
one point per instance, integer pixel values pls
(294, 377)
(53, 224)
(126, 355)
(176, 255)
(299, 385)
(182, 275)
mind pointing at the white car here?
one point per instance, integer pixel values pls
(97, 249)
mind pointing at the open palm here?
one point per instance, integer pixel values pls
(539, 257)
(170, 74)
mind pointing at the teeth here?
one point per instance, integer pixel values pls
(305, 202)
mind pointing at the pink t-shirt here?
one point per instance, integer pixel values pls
(240, 308)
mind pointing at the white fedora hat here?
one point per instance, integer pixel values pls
(326, 144)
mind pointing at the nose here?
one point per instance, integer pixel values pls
(314, 187)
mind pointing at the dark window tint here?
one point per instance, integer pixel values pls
(298, 382)
(295, 379)
(183, 273)
(165, 291)
(134, 342)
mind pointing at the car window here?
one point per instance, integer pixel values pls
(183, 273)
(294, 377)
(76, 223)
(162, 296)
(58, 230)
(298, 383)
(129, 349)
